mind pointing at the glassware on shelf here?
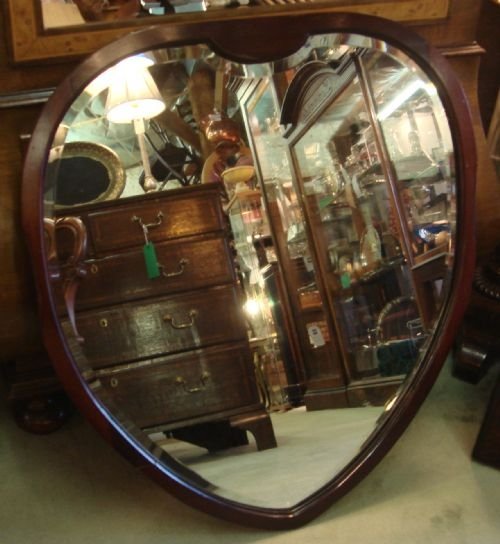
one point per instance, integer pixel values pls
(370, 248)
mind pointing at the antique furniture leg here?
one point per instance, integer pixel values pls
(35, 396)
(487, 448)
(478, 348)
(260, 426)
(214, 436)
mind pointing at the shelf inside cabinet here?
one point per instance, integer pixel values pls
(439, 252)
(415, 167)
(384, 268)
(310, 300)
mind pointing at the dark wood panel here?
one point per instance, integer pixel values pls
(146, 329)
(489, 73)
(466, 66)
(178, 215)
(172, 390)
(198, 262)
(19, 328)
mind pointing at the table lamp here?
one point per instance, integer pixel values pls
(133, 97)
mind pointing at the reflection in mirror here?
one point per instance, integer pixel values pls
(255, 296)
(62, 13)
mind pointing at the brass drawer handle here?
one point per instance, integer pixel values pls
(192, 314)
(103, 322)
(179, 272)
(147, 226)
(203, 380)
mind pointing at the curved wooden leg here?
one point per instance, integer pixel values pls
(470, 361)
(259, 424)
(487, 447)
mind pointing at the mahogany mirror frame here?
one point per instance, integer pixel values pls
(289, 30)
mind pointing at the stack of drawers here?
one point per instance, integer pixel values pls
(171, 352)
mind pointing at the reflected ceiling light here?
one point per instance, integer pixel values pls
(404, 95)
(133, 97)
(252, 307)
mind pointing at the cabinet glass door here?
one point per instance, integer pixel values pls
(355, 226)
(418, 142)
(315, 346)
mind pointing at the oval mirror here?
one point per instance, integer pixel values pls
(256, 313)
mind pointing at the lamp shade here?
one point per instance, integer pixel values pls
(132, 96)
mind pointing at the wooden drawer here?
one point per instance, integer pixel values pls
(192, 263)
(193, 385)
(144, 329)
(183, 213)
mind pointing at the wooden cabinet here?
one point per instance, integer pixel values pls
(170, 349)
(354, 159)
(477, 349)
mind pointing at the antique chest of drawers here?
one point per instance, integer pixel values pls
(169, 349)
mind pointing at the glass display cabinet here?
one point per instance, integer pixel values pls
(314, 347)
(360, 195)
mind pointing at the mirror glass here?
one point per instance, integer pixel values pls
(61, 13)
(249, 260)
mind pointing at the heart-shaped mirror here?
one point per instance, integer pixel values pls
(252, 239)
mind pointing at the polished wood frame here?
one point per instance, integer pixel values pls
(30, 42)
(289, 30)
